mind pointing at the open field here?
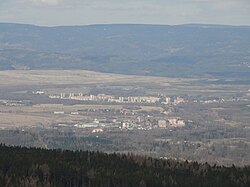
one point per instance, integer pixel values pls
(43, 114)
(13, 117)
(75, 79)
(18, 77)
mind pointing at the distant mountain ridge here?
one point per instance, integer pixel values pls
(189, 50)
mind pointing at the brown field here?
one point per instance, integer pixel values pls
(12, 117)
(56, 77)
(81, 77)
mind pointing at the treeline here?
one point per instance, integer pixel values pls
(24, 167)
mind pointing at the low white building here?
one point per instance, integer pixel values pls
(97, 130)
(59, 112)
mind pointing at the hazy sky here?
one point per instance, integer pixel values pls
(78, 12)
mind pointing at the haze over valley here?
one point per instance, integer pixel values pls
(137, 93)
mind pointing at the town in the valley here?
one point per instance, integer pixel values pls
(107, 112)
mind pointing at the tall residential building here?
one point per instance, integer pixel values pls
(168, 100)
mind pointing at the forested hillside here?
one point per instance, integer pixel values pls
(39, 167)
(161, 50)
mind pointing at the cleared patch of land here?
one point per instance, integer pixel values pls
(88, 78)
(45, 114)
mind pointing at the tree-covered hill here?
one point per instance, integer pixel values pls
(40, 167)
(162, 50)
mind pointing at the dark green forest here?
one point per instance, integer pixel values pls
(39, 167)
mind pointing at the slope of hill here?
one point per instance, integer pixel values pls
(38, 167)
(182, 50)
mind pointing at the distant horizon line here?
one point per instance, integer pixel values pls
(149, 24)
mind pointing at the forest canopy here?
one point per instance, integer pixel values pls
(21, 166)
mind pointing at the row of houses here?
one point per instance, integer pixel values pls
(172, 122)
